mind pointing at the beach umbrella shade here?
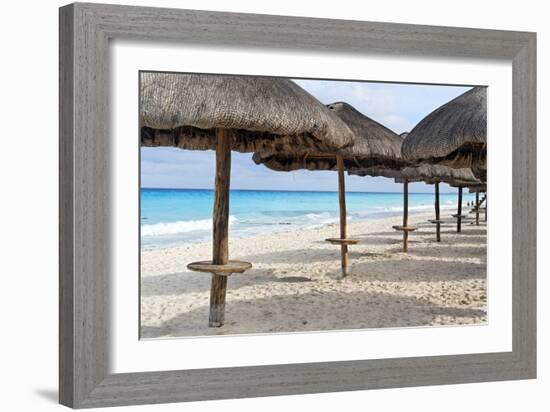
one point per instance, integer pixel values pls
(436, 174)
(258, 114)
(431, 174)
(393, 171)
(224, 113)
(459, 216)
(376, 172)
(478, 188)
(374, 145)
(481, 174)
(454, 135)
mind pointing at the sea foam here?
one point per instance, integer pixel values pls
(319, 219)
(182, 226)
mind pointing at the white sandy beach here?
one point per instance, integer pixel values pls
(294, 284)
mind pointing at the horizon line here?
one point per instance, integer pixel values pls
(285, 190)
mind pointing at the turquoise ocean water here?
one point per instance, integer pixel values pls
(172, 217)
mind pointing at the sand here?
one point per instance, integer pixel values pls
(295, 286)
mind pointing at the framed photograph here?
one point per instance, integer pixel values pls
(256, 205)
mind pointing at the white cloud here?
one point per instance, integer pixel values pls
(395, 105)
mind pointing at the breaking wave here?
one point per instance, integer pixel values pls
(182, 226)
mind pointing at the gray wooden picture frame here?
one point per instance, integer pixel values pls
(85, 31)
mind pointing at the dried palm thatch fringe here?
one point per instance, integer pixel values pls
(376, 172)
(374, 145)
(482, 188)
(438, 173)
(372, 138)
(423, 173)
(454, 135)
(262, 113)
(285, 162)
(481, 174)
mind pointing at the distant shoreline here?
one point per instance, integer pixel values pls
(170, 216)
(284, 191)
(372, 217)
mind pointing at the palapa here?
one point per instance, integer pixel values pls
(479, 188)
(376, 171)
(454, 135)
(394, 171)
(436, 174)
(474, 187)
(374, 145)
(431, 174)
(439, 174)
(201, 112)
(260, 113)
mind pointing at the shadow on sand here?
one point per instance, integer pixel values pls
(340, 310)
(178, 283)
(308, 304)
(434, 262)
(417, 270)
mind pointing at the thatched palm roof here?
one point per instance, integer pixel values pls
(438, 173)
(478, 188)
(374, 145)
(455, 134)
(481, 174)
(263, 113)
(376, 172)
(372, 139)
(423, 173)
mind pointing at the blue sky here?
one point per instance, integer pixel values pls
(397, 106)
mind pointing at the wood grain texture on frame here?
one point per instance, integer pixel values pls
(85, 31)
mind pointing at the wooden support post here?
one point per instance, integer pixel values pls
(220, 218)
(459, 217)
(486, 207)
(405, 214)
(437, 214)
(342, 204)
(477, 208)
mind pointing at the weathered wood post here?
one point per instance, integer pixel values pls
(405, 214)
(342, 204)
(343, 240)
(405, 228)
(220, 219)
(459, 214)
(477, 208)
(437, 214)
